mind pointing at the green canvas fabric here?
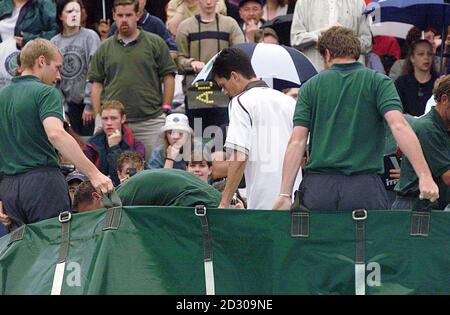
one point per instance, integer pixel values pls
(159, 250)
(167, 187)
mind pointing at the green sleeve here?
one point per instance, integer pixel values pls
(303, 108)
(387, 96)
(166, 65)
(436, 152)
(50, 104)
(97, 68)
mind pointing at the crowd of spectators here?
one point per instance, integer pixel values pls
(127, 68)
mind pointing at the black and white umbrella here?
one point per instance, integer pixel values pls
(280, 66)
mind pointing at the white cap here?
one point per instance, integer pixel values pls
(176, 121)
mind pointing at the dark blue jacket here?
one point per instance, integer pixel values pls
(153, 25)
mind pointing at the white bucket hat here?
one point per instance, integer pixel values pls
(176, 122)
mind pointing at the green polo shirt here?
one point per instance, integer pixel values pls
(167, 187)
(24, 104)
(343, 108)
(434, 139)
(131, 73)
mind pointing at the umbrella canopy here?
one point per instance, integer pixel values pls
(420, 13)
(280, 66)
(282, 26)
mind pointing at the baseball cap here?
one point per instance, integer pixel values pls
(176, 121)
(242, 2)
(76, 175)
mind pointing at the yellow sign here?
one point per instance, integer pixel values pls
(204, 97)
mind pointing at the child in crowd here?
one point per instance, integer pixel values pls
(177, 134)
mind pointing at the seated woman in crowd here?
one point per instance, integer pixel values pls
(415, 87)
(177, 134)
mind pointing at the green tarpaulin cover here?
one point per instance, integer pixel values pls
(161, 250)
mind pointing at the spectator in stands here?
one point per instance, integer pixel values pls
(199, 38)
(74, 180)
(267, 35)
(415, 87)
(129, 67)
(153, 25)
(202, 36)
(313, 18)
(31, 125)
(274, 8)
(432, 131)
(25, 20)
(343, 166)
(251, 12)
(414, 34)
(199, 167)
(129, 164)
(105, 146)
(78, 45)
(21, 21)
(180, 10)
(177, 135)
(260, 125)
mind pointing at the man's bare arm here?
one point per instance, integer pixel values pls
(96, 92)
(70, 149)
(169, 89)
(236, 167)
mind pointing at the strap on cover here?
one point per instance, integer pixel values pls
(200, 211)
(360, 216)
(113, 215)
(299, 216)
(420, 218)
(64, 219)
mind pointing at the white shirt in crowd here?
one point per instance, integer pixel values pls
(8, 25)
(260, 126)
(8, 61)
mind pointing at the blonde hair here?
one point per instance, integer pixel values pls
(36, 48)
(113, 105)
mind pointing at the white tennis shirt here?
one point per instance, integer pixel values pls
(261, 123)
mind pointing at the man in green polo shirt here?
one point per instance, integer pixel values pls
(433, 131)
(129, 67)
(32, 188)
(343, 109)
